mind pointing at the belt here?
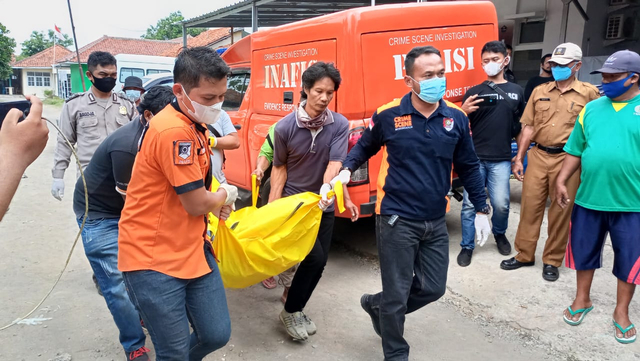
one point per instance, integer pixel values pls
(551, 150)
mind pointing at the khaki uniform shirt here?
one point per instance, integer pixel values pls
(86, 123)
(553, 114)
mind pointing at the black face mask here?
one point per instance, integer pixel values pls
(105, 85)
(546, 71)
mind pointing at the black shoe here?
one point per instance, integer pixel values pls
(365, 302)
(550, 273)
(504, 247)
(512, 263)
(464, 257)
(95, 282)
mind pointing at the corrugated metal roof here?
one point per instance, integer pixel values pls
(276, 12)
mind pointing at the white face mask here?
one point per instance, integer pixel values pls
(493, 68)
(202, 113)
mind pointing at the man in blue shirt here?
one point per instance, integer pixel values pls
(421, 136)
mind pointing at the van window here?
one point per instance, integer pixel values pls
(236, 87)
(157, 71)
(126, 72)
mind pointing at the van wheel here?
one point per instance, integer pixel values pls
(265, 189)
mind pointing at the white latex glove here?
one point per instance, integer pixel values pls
(232, 193)
(483, 229)
(324, 190)
(344, 177)
(325, 202)
(57, 188)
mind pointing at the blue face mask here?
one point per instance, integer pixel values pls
(616, 88)
(132, 94)
(432, 90)
(561, 73)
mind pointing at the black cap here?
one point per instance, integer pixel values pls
(133, 82)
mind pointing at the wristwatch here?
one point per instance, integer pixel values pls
(485, 210)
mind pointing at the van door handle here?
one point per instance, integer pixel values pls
(237, 126)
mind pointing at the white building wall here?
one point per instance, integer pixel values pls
(237, 35)
(37, 90)
(553, 21)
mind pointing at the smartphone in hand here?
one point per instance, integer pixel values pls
(489, 100)
(8, 102)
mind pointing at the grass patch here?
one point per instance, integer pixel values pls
(53, 101)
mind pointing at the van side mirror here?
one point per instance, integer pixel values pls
(288, 98)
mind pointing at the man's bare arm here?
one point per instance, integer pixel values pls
(228, 142)
(332, 171)
(199, 202)
(278, 179)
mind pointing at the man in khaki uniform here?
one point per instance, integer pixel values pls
(88, 118)
(548, 120)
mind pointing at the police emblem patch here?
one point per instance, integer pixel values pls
(447, 123)
(123, 110)
(560, 51)
(182, 152)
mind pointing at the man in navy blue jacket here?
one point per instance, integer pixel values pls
(422, 136)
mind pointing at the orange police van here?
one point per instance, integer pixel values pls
(368, 46)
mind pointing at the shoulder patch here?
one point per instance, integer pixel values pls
(394, 103)
(73, 96)
(183, 152)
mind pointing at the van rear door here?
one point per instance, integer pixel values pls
(384, 53)
(277, 74)
(276, 83)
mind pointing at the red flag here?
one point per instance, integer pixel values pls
(58, 32)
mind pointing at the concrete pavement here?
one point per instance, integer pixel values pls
(488, 314)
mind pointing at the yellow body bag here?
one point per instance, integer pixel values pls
(257, 243)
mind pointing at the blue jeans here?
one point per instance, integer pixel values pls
(496, 176)
(414, 259)
(100, 240)
(168, 304)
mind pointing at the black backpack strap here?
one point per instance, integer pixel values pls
(218, 135)
(214, 131)
(268, 139)
(504, 95)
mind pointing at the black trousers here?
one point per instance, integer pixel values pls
(311, 268)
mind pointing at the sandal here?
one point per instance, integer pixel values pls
(571, 322)
(270, 283)
(623, 339)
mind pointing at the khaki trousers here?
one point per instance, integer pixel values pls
(540, 184)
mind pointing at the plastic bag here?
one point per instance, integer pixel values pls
(257, 243)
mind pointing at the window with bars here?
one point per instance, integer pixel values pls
(614, 27)
(37, 78)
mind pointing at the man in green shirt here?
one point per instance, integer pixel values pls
(605, 142)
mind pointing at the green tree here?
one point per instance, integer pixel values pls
(39, 41)
(6, 49)
(168, 28)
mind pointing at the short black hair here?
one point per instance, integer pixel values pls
(415, 53)
(155, 99)
(542, 60)
(509, 47)
(318, 71)
(495, 46)
(196, 63)
(101, 58)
